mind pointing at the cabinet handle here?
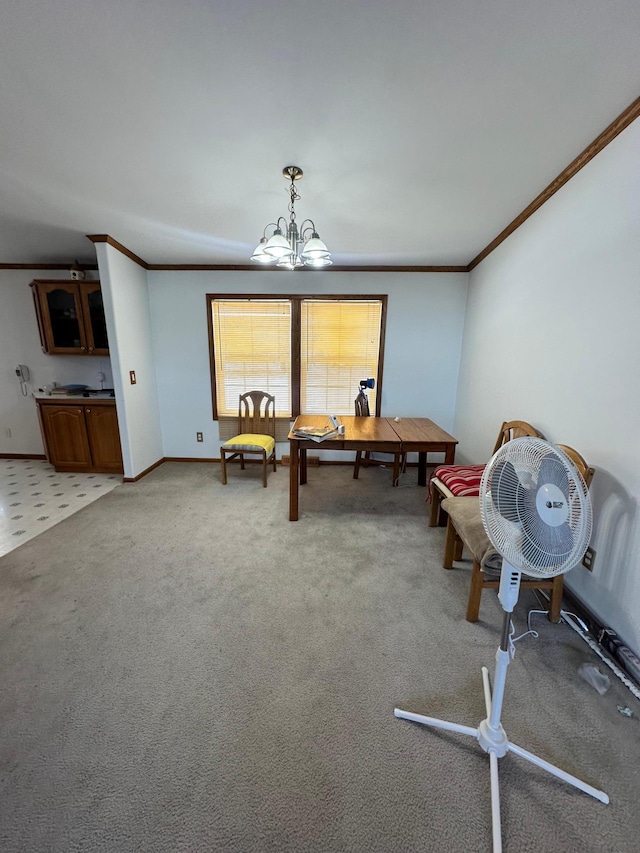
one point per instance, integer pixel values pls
(90, 349)
(83, 348)
(88, 410)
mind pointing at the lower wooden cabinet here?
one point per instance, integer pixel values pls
(81, 436)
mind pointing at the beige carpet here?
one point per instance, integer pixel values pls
(183, 669)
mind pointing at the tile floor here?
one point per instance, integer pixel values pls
(33, 497)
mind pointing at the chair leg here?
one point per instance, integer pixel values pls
(274, 461)
(435, 506)
(450, 546)
(395, 477)
(223, 462)
(241, 455)
(555, 599)
(433, 515)
(475, 593)
(457, 551)
(264, 471)
(356, 467)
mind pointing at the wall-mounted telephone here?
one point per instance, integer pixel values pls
(22, 372)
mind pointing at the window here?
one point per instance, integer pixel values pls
(339, 346)
(252, 349)
(309, 352)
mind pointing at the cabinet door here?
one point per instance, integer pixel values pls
(44, 342)
(66, 437)
(61, 312)
(104, 438)
(62, 317)
(94, 321)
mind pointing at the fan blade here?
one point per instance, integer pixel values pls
(506, 490)
(543, 545)
(553, 471)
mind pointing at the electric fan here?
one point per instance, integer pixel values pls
(536, 511)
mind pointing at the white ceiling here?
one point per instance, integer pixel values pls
(423, 127)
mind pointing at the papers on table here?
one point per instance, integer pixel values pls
(315, 433)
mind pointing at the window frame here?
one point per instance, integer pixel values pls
(296, 332)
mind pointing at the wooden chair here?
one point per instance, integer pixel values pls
(363, 457)
(465, 530)
(450, 481)
(256, 433)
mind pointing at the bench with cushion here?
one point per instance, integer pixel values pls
(456, 481)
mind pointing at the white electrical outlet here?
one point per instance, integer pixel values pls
(589, 557)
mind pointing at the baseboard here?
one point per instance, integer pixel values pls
(143, 473)
(611, 646)
(22, 456)
(312, 462)
(581, 610)
(190, 459)
(208, 460)
(315, 462)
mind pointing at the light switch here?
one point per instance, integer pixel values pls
(132, 377)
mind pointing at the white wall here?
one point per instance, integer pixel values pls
(551, 337)
(20, 344)
(425, 315)
(126, 301)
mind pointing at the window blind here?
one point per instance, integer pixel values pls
(252, 350)
(340, 344)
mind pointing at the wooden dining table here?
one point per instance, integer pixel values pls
(388, 435)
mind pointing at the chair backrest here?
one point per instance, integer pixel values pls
(362, 405)
(257, 413)
(579, 462)
(515, 429)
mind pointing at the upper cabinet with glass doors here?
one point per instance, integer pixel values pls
(70, 317)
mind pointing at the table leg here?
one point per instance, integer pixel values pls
(293, 480)
(303, 466)
(422, 468)
(450, 454)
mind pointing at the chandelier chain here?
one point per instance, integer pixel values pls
(293, 198)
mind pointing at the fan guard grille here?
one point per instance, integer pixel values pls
(535, 507)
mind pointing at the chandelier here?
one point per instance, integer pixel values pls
(288, 246)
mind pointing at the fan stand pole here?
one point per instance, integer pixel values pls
(492, 737)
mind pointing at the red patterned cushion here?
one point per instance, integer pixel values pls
(461, 480)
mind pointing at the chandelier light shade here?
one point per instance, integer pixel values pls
(286, 245)
(259, 255)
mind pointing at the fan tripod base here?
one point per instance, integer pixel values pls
(493, 740)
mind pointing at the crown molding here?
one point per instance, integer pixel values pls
(45, 266)
(105, 238)
(616, 127)
(309, 270)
